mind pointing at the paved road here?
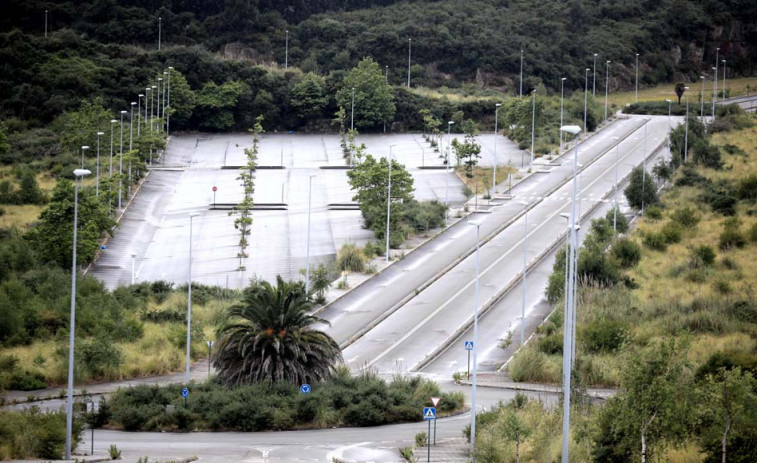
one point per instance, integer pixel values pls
(748, 103)
(430, 320)
(156, 226)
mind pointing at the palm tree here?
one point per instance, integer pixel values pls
(268, 338)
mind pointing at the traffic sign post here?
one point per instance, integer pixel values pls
(185, 393)
(429, 414)
(214, 196)
(469, 347)
(435, 401)
(305, 389)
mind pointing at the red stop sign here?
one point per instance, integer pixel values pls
(215, 189)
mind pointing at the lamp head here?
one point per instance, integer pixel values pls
(81, 172)
(141, 95)
(564, 78)
(595, 54)
(574, 129)
(193, 214)
(113, 121)
(85, 147)
(159, 79)
(565, 215)
(450, 122)
(497, 105)
(133, 103)
(608, 61)
(99, 134)
(148, 89)
(153, 87)
(170, 68)
(123, 112)
(475, 223)
(686, 88)
(667, 100)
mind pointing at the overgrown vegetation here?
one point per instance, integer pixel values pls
(344, 400)
(30, 433)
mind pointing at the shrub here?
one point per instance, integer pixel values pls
(753, 233)
(32, 434)
(420, 439)
(671, 232)
(550, 344)
(27, 380)
(99, 356)
(530, 365)
(731, 236)
(746, 189)
(627, 252)
(686, 217)
(350, 259)
(604, 335)
(621, 221)
(702, 256)
(653, 213)
(721, 198)
(656, 241)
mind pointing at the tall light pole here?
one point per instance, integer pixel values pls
(715, 91)
(594, 77)
(723, 99)
(307, 259)
(496, 129)
(352, 112)
(83, 149)
(521, 73)
(152, 106)
(644, 167)
(97, 166)
(189, 297)
(160, 31)
(701, 101)
(165, 83)
(148, 92)
(567, 330)
(409, 58)
(586, 98)
(157, 106)
(121, 160)
(686, 123)
(286, 51)
(139, 113)
(45, 23)
(533, 127)
(523, 290)
(110, 174)
(607, 87)
(389, 202)
(131, 132)
(670, 103)
(615, 192)
(477, 224)
(562, 98)
(79, 174)
(168, 102)
(446, 154)
(637, 77)
(133, 275)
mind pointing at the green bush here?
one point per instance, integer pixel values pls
(653, 212)
(671, 232)
(627, 252)
(721, 198)
(731, 237)
(26, 380)
(702, 256)
(753, 233)
(685, 217)
(603, 335)
(550, 344)
(746, 188)
(621, 221)
(656, 241)
(350, 259)
(33, 434)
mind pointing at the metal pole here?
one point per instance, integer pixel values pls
(715, 86)
(388, 202)
(131, 133)
(45, 23)
(562, 98)
(121, 160)
(723, 80)
(615, 210)
(594, 72)
(160, 25)
(97, 166)
(637, 77)
(189, 298)
(644, 167)
(133, 256)
(428, 442)
(409, 56)
(533, 127)
(352, 112)
(586, 98)
(139, 114)
(686, 138)
(523, 301)
(496, 127)
(286, 52)
(607, 88)
(168, 102)
(701, 101)
(446, 155)
(157, 106)
(152, 106)
(475, 343)
(307, 265)
(521, 73)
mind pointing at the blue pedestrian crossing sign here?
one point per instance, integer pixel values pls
(429, 413)
(468, 345)
(305, 389)
(184, 392)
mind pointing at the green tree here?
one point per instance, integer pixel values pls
(243, 221)
(52, 237)
(731, 398)
(183, 101)
(309, 97)
(374, 98)
(641, 191)
(680, 89)
(80, 127)
(4, 147)
(29, 191)
(268, 337)
(370, 180)
(469, 151)
(514, 429)
(215, 104)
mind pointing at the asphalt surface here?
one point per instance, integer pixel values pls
(155, 228)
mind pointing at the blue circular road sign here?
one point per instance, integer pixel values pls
(185, 392)
(305, 389)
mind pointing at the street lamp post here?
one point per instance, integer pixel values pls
(110, 173)
(121, 160)
(97, 166)
(83, 149)
(644, 167)
(496, 129)
(168, 102)
(45, 23)
(165, 84)
(78, 174)
(131, 133)
(701, 101)
(594, 77)
(715, 89)
(409, 56)
(586, 98)
(160, 30)
(189, 297)
(562, 98)
(477, 224)
(521, 73)
(133, 275)
(567, 330)
(157, 105)
(670, 103)
(637, 77)
(523, 291)
(148, 92)
(139, 113)
(533, 127)
(307, 259)
(686, 130)
(615, 192)
(607, 87)
(446, 154)
(152, 106)
(352, 119)
(389, 201)
(286, 52)
(723, 80)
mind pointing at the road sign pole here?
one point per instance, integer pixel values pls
(428, 442)
(468, 364)
(434, 432)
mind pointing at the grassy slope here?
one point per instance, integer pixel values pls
(664, 305)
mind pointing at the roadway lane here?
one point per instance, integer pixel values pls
(429, 320)
(368, 304)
